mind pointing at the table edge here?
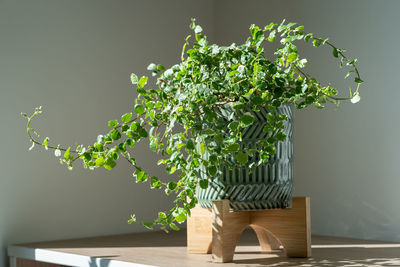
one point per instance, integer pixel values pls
(63, 258)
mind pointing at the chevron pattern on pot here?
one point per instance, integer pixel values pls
(268, 186)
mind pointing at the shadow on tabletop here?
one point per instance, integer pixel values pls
(328, 257)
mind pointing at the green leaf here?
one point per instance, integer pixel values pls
(271, 36)
(113, 123)
(190, 144)
(180, 145)
(115, 134)
(143, 81)
(124, 128)
(213, 159)
(292, 57)
(183, 52)
(109, 164)
(259, 37)
(352, 62)
(202, 148)
(114, 155)
(181, 217)
(172, 185)
(271, 140)
(87, 156)
(268, 128)
(148, 225)
(141, 176)
(160, 67)
(233, 147)
(242, 157)
(46, 143)
(155, 182)
(212, 170)
(219, 137)
(67, 155)
(307, 37)
(270, 26)
(282, 26)
(133, 127)
(335, 52)
(139, 109)
(134, 78)
(281, 136)
(162, 215)
(203, 183)
(318, 105)
(126, 117)
(172, 170)
(317, 42)
(253, 29)
(233, 125)
(143, 133)
(233, 73)
(257, 100)
(99, 162)
(358, 80)
(174, 227)
(246, 119)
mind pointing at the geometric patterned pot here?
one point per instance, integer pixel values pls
(269, 186)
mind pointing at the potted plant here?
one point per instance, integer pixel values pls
(233, 106)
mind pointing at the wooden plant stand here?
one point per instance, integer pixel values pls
(217, 231)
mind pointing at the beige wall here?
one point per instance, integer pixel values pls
(346, 160)
(75, 58)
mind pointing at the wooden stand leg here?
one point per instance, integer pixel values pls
(199, 231)
(227, 228)
(222, 227)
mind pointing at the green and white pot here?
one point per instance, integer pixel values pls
(269, 186)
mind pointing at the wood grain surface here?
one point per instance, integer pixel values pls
(161, 249)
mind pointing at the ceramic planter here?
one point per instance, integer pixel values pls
(269, 186)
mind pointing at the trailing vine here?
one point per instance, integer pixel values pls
(208, 94)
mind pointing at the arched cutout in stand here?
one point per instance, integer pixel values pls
(266, 239)
(217, 231)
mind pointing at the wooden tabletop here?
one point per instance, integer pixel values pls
(161, 249)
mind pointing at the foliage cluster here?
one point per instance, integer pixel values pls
(209, 94)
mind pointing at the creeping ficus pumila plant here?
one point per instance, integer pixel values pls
(208, 94)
